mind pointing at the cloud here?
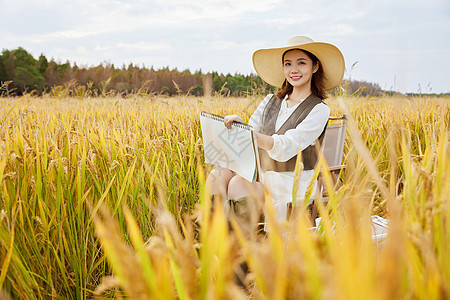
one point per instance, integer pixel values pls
(297, 20)
(94, 18)
(65, 34)
(140, 46)
(81, 50)
(220, 45)
(144, 46)
(221, 34)
(342, 29)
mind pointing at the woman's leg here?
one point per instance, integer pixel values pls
(217, 184)
(239, 187)
(246, 201)
(226, 185)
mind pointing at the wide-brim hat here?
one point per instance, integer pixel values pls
(269, 66)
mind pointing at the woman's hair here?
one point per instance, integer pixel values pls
(317, 81)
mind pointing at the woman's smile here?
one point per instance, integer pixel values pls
(298, 68)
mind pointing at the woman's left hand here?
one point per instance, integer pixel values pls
(228, 120)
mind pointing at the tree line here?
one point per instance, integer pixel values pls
(21, 73)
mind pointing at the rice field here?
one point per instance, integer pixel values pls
(98, 198)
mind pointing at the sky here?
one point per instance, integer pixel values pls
(403, 45)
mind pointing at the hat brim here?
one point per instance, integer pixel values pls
(268, 64)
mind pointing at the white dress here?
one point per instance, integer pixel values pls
(280, 184)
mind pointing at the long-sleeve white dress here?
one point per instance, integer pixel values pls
(286, 146)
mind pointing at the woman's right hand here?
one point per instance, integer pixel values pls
(228, 120)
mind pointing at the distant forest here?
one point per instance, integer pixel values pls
(21, 73)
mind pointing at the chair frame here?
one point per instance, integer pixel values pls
(335, 173)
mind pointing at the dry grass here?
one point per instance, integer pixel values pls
(92, 188)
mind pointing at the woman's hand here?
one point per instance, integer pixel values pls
(228, 120)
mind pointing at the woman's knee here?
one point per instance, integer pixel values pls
(239, 187)
(221, 174)
(218, 180)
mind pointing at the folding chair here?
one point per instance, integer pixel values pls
(333, 150)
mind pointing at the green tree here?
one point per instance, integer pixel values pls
(20, 66)
(28, 78)
(22, 58)
(218, 81)
(7, 65)
(3, 76)
(42, 64)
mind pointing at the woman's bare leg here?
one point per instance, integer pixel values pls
(225, 184)
(238, 187)
(247, 200)
(217, 184)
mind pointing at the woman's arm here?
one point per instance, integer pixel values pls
(264, 141)
(286, 146)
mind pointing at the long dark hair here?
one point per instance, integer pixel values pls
(317, 80)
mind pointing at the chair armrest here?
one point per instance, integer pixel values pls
(336, 168)
(338, 118)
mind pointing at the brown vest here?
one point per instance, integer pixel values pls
(269, 118)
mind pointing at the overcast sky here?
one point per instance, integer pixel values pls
(399, 44)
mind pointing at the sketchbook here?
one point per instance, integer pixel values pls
(235, 149)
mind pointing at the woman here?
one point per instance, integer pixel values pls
(292, 119)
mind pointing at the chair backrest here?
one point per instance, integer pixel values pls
(333, 142)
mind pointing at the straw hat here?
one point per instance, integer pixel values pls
(268, 64)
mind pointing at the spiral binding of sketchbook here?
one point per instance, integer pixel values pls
(220, 119)
(234, 149)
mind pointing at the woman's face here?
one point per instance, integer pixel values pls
(298, 68)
